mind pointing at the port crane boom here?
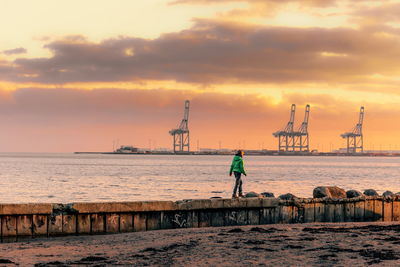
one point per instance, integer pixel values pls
(302, 141)
(181, 134)
(285, 136)
(355, 138)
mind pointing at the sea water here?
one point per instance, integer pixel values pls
(65, 178)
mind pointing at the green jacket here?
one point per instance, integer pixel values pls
(237, 165)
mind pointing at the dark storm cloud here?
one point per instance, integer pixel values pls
(15, 51)
(215, 52)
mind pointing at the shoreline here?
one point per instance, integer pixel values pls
(316, 244)
(320, 154)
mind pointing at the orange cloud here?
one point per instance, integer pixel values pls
(214, 52)
(14, 51)
(322, 3)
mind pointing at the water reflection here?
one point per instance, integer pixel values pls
(67, 178)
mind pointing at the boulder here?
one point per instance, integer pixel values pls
(267, 194)
(387, 194)
(252, 194)
(353, 193)
(287, 196)
(329, 191)
(371, 193)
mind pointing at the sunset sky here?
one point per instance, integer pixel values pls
(78, 75)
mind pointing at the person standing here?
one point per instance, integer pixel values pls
(238, 169)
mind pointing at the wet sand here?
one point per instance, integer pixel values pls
(351, 244)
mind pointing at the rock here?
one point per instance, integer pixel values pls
(267, 194)
(371, 193)
(329, 191)
(353, 193)
(387, 194)
(252, 194)
(287, 196)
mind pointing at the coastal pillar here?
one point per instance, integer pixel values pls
(369, 210)
(396, 210)
(112, 223)
(24, 225)
(230, 217)
(329, 212)
(286, 214)
(276, 215)
(349, 212)
(309, 212)
(359, 210)
(297, 215)
(55, 225)
(253, 217)
(9, 226)
(319, 211)
(69, 224)
(387, 210)
(217, 218)
(204, 219)
(339, 213)
(192, 219)
(153, 221)
(378, 210)
(139, 222)
(267, 216)
(126, 223)
(166, 220)
(39, 225)
(242, 218)
(83, 223)
(97, 222)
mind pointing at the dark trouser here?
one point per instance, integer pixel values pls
(238, 183)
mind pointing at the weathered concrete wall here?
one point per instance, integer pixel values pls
(30, 220)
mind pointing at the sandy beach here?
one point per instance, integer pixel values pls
(350, 244)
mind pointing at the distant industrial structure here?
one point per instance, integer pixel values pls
(181, 134)
(294, 141)
(355, 140)
(285, 136)
(301, 140)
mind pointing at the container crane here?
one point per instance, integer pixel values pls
(302, 142)
(286, 136)
(355, 139)
(181, 134)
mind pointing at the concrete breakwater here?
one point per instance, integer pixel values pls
(31, 220)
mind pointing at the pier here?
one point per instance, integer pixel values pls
(39, 220)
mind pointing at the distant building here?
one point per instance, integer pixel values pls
(127, 149)
(343, 150)
(215, 151)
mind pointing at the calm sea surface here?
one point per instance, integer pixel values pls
(71, 178)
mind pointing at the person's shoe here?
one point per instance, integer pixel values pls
(234, 196)
(241, 195)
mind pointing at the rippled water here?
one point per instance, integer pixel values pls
(71, 178)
